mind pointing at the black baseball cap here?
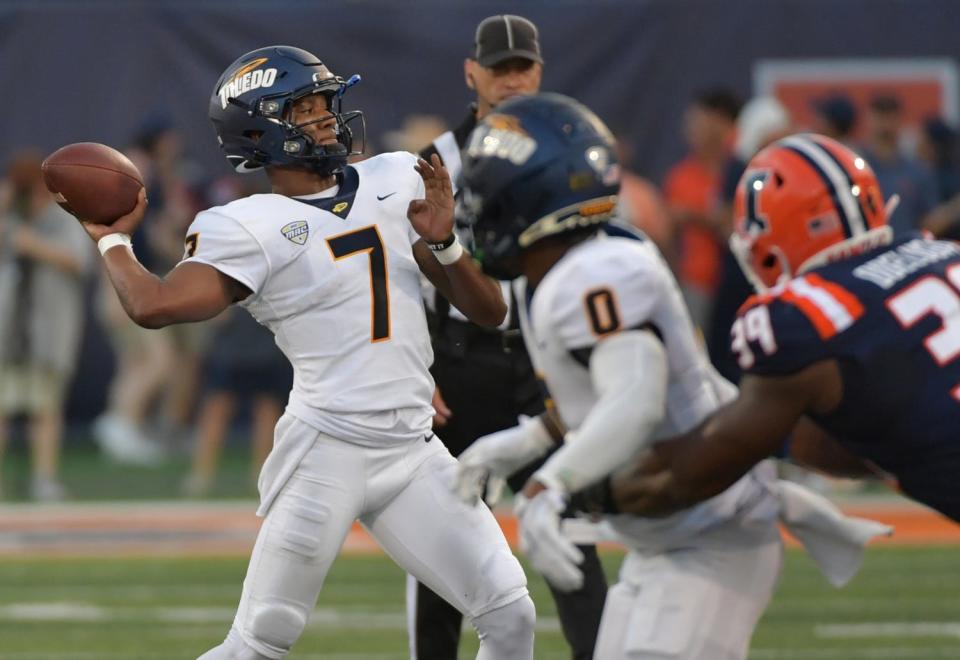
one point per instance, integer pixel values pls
(506, 36)
(839, 110)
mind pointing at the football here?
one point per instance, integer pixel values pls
(92, 181)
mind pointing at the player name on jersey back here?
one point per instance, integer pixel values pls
(893, 266)
(889, 320)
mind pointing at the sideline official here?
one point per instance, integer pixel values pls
(484, 377)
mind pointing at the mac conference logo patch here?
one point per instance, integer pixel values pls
(296, 231)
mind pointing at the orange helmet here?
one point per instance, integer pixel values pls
(804, 201)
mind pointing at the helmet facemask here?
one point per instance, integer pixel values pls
(762, 271)
(300, 150)
(495, 250)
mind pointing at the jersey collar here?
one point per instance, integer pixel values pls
(342, 203)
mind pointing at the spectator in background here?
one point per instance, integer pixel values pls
(484, 378)
(937, 150)
(763, 120)
(244, 366)
(896, 173)
(155, 369)
(835, 116)
(176, 196)
(692, 189)
(642, 204)
(145, 359)
(44, 260)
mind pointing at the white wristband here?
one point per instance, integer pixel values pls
(113, 240)
(450, 254)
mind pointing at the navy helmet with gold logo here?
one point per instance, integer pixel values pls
(537, 166)
(250, 110)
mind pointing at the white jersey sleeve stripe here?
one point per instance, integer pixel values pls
(835, 312)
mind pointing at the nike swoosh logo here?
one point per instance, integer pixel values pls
(380, 199)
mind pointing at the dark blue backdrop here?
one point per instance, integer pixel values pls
(91, 70)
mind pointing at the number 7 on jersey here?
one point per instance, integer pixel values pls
(367, 241)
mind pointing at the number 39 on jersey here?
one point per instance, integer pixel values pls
(810, 310)
(752, 327)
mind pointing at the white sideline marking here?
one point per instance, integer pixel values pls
(327, 618)
(53, 612)
(867, 653)
(166, 656)
(889, 629)
(359, 655)
(862, 653)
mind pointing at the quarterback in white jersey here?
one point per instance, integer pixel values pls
(330, 262)
(606, 327)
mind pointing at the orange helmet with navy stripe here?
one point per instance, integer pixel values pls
(802, 202)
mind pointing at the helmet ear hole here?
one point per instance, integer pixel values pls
(769, 261)
(778, 178)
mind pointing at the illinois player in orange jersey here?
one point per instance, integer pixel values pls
(852, 344)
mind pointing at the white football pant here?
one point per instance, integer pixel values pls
(403, 496)
(696, 603)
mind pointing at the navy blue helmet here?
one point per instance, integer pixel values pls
(536, 167)
(251, 103)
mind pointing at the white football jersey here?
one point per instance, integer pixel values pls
(606, 285)
(335, 279)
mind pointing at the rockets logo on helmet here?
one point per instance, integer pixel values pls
(251, 104)
(539, 166)
(804, 201)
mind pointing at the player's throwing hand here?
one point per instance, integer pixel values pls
(126, 224)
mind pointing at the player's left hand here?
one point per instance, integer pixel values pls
(432, 217)
(552, 554)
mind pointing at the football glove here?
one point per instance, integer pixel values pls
(552, 554)
(486, 463)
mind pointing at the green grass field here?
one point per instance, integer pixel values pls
(905, 605)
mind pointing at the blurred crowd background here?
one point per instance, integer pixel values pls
(692, 89)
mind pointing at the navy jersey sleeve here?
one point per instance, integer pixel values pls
(771, 337)
(806, 320)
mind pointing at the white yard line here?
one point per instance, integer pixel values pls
(324, 618)
(861, 653)
(865, 653)
(872, 629)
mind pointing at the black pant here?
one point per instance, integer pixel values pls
(487, 383)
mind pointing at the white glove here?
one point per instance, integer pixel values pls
(551, 553)
(493, 457)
